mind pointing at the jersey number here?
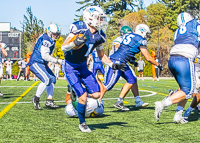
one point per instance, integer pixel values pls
(89, 50)
(128, 39)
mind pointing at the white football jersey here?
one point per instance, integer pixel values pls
(9, 64)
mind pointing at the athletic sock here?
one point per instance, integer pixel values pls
(40, 89)
(120, 100)
(166, 102)
(179, 108)
(81, 112)
(190, 108)
(50, 90)
(137, 98)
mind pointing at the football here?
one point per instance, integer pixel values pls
(77, 47)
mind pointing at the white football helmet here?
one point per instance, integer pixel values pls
(53, 29)
(142, 30)
(95, 17)
(183, 18)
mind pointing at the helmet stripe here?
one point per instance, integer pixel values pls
(182, 17)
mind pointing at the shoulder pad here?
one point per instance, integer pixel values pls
(77, 26)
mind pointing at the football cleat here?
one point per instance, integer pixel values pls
(179, 119)
(84, 128)
(197, 109)
(140, 104)
(187, 113)
(1, 94)
(120, 106)
(158, 110)
(50, 103)
(35, 101)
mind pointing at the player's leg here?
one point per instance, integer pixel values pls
(50, 89)
(110, 79)
(131, 79)
(19, 75)
(40, 71)
(73, 78)
(180, 67)
(1, 73)
(134, 89)
(10, 73)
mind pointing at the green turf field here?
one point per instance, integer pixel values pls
(22, 123)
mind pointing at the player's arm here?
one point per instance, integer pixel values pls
(3, 50)
(147, 56)
(45, 55)
(104, 58)
(68, 44)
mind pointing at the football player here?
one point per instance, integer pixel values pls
(4, 52)
(181, 64)
(8, 65)
(76, 53)
(22, 69)
(94, 108)
(39, 65)
(119, 104)
(131, 44)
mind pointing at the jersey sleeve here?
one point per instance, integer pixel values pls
(117, 41)
(77, 27)
(19, 63)
(143, 42)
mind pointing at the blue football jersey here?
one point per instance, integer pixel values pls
(93, 40)
(187, 34)
(129, 46)
(43, 40)
(95, 57)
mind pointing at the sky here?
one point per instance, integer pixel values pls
(61, 12)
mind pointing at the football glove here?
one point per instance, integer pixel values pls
(80, 40)
(119, 67)
(160, 67)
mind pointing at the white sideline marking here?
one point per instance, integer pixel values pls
(152, 93)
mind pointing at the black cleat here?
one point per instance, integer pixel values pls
(36, 103)
(50, 103)
(120, 106)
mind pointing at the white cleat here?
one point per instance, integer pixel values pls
(1, 95)
(84, 128)
(179, 119)
(158, 110)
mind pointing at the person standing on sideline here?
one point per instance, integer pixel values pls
(156, 68)
(8, 64)
(57, 69)
(140, 68)
(4, 52)
(22, 68)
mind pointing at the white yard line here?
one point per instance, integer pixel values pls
(152, 93)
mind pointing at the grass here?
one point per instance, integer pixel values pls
(22, 123)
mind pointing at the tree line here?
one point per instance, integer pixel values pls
(160, 17)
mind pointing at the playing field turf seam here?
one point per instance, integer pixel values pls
(7, 108)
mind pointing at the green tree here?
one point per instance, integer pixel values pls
(174, 7)
(32, 28)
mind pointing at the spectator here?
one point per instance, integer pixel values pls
(156, 68)
(22, 68)
(140, 68)
(8, 65)
(1, 68)
(57, 69)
